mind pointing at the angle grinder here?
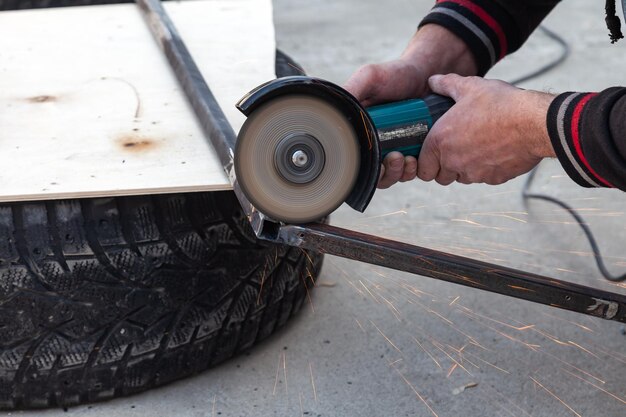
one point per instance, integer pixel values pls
(307, 145)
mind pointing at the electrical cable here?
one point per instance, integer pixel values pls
(565, 51)
(527, 195)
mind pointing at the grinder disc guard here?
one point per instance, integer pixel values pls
(297, 158)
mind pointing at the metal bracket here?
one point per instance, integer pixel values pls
(359, 246)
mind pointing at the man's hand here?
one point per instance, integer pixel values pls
(432, 50)
(492, 134)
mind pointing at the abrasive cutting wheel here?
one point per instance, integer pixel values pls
(297, 158)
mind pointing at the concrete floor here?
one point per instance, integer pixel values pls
(376, 342)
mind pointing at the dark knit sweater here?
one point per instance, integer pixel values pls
(587, 130)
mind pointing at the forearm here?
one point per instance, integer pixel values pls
(490, 28)
(588, 133)
(440, 51)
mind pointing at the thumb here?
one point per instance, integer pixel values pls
(449, 85)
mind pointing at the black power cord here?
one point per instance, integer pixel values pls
(527, 195)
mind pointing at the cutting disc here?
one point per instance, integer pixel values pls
(297, 158)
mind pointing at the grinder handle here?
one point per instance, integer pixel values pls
(402, 126)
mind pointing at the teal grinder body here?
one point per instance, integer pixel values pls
(402, 126)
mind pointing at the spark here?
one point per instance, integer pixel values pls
(277, 375)
(386, 338)
(455, 300)
(263, 276)
(575, 367)
(613, 355)
(531, 346)
(462, 356)
(453, 327)
(557, 398)
(369, 292)
(595, 386)
(369, 138)
(306, 254)
(213, 407)
(507, 400)
(515, 287)
(301, 407)
(441, 317)
(345, 277)
(570, 322)
(506, 215)
(417, 394)
(308, 294)
(359, 324)
(394, 362)
(583, 349)
(427, 352)
(487, 363)
(452, 368)
(550, 337)
(312, 381)
(471, 313)
(285, 373)
(296, 68)
(393, 213)
(473, 223)
(435, 344)
(310, 276)
(393, 308)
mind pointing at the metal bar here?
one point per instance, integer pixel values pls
(212, 119)
(359, 246)
(456, 269)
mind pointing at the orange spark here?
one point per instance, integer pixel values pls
(369, 292)
(516, 287)
(595, 386)
(417, 394)
(583, 349)
(487, 363)
(277, 375)
(285, 373)
(554, 395)
(312, 382)
(427, 352)
(359, 324)
(308, 294)
(386, 338)
(435, 344)
(263, 276)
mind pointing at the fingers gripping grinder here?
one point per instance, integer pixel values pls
(307, 145)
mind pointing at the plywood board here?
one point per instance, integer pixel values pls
(89, 106)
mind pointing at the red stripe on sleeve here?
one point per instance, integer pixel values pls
(576, 138)
(485, 17)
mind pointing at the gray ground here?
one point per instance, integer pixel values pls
(375, 342)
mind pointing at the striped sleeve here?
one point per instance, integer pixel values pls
(491, 28)
(588, 134)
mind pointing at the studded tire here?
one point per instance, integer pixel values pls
(106, 297)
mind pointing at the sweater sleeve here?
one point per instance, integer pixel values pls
(491, 28)
(588, 134)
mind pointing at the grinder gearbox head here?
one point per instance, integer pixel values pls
(306, 147)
